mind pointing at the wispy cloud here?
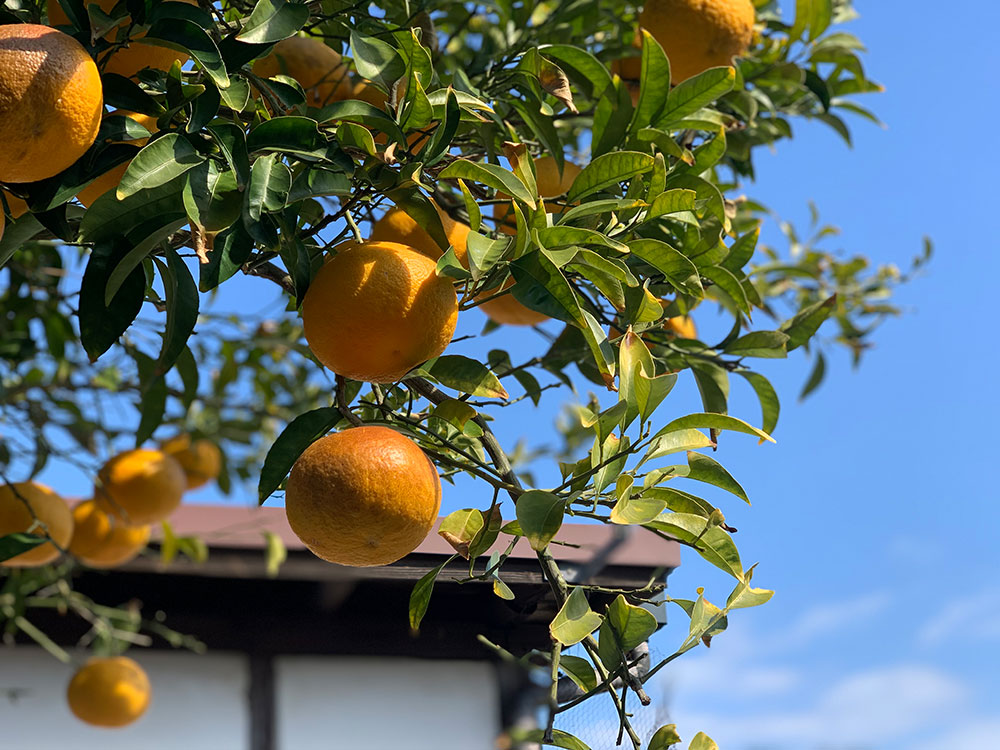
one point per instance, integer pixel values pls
(974, 735)
(878, 708)
(831, 617)
(975, 617)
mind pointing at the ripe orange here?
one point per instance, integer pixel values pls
(51, 510)
(126, 61)
(17, 206)
(397, 226)
(141, 486)
(201, 459)
(377, 310)
(682, 326)
(365, 496)
(50, 102)
(506, 309)
(318, 69)
(699, 34)
(102, 541)
(110, 179)
(109, 692)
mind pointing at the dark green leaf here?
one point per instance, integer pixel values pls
(607, 171)
(300, 433)
(100, 324)
(272, 21)
(12, 545)
(467, 376)
(540, 515)
(157, 164)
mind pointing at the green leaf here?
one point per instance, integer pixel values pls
(727, 282)
(713, 421)
(768, 397)
(764, 344)
(101, 325)
(702, 741)
(654, 83)
(746, 596)
(186, 36)
(708, 470)
(579, 670)
(608, 170)
(467, 376)
(454, 412)
(182, 309)
(376, 60)
(815, 376)
(713, 385)
(559, 739)
(232, 248)
(272, 21)
(289, 134)
(639, 385)
(575, 620)
(300, 433)
(211, 197)
(542, 286)
(423, 211)
(807, 321)
(691, 95)
(636, 509)
(275, 554)
(540, 516)
(676, 441)
(12, 545)
(355, 110)
(742, 251)
(25, 228)
(678, 270)
(664, 738)
(625, 626)
(420, 597)
(270, 181)
(671, 202)
(491, 175)
(157, 164)
(461, 527)
(711, 542)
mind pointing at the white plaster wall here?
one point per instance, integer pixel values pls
(385, 704)
(199, 703)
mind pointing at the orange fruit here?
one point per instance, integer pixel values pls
(201, 459)
(110, 179)
(50, 102)
(506, 309)
(126, 61)
(365, 496)
(50, 509)
(319, 70)
(17, 206)
(371, 94)
(397, 226)
(699, 34)
(141, 486)
(109, 692)
(102, 541)
(682, 326)
(377, 310)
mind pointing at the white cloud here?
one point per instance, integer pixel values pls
(878, 708)
(831, 617)
(971, 618)
(973, 735)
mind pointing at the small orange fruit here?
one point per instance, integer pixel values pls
(377, 310)
(682, 326)
(102, 541)
(699, 34)
(551, 183)
(397, 226)
(129, 60)
(319, 69)
(201, 459)
(365, 496)
(109, 692)
(141, 486)
(110, 179)
(51, 511)
(50, 102)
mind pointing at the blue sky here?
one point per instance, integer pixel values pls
(874, 516)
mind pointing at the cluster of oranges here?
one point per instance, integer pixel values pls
(134, 489)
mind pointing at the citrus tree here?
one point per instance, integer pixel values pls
(571, 165)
